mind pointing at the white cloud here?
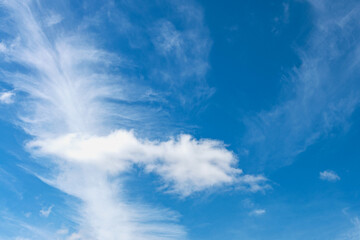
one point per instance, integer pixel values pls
(53, 19)
(3, 47)
(320, 95)
(23, 230)
(185, 50)
(45, 212)
(248, 203)
(329, 175)
(257, 212)
(62, 231)
(106, 212)
(188, 165)
(75, 236)
(353, 233)
(7, 97)
(71, 115)
(253, 183)
(67, 88)
(168, 39)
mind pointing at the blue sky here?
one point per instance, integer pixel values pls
(193, 120)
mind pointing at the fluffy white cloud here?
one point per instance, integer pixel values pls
(329, 175)
(186, 164)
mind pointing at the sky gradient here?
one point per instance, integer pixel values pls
(189, 120)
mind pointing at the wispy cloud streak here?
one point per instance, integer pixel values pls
(321, 94)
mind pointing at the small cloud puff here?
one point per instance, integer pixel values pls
(6, 97)
(46, 212)
(257, 212)
(329, 175)
(53, 19)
